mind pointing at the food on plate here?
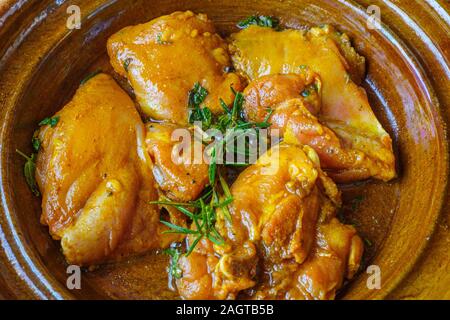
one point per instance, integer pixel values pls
(120, 177)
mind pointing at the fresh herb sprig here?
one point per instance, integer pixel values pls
(174, 269)
(52, 122)
(29, 170)
(202, 214)
(196, 112)
(262, 21)
(232, 124)
(36, 143)
(30, 165)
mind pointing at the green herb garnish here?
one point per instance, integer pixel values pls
(203, 215)
(159, 40)
(316, 87)
(197, 95)
(367, 242)
(126, 64)
(197, 113)
(174, 269)
(233, 125)
(262, 21)
(29, 170)
(212, 167)
(52, 122)
(36, 143)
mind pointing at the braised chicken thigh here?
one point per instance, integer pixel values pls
(282, 240)
(177, 174)
(296, 111)
(95, 178)
(165, 57)
(345, 108)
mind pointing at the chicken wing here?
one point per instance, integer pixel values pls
(95, 177)
(165, 57)
(282, 225)
(345, 108)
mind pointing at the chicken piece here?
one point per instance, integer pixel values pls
(267, 92)
(336, 255)
(165, 57)
(279, 205)
(294, 100)
(179, 176)
(345, 108)
(95, 178)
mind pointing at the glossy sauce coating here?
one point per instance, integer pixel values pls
(296, 106)
(345, 108)
(95, 177)
(165, 57)
(174, 166)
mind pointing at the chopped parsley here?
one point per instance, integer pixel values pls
(52, 122)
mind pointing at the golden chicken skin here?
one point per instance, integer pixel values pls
(178, 175)
(95, 177)
(265, 93)
(164, 58)
(258, 52)
(281, 241)
(295, 105)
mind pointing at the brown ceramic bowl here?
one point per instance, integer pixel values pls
(42, 63)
